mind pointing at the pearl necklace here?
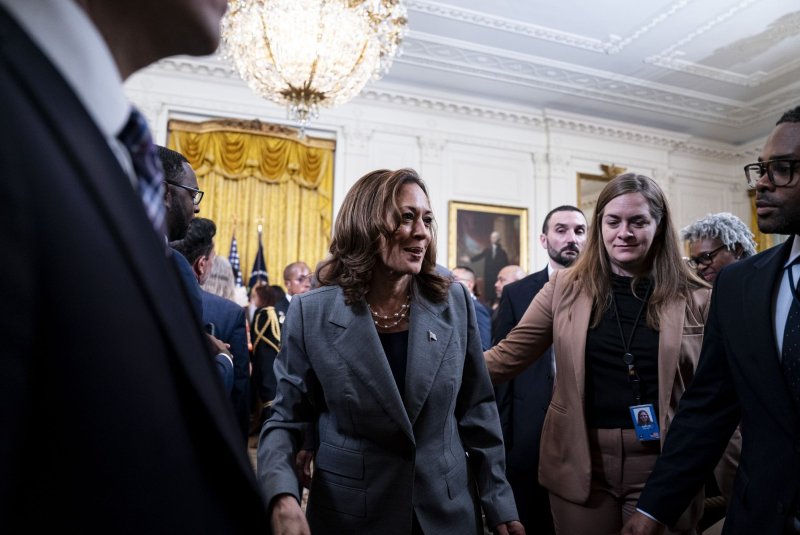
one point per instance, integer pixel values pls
(393, 319)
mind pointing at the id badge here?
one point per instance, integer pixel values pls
(644, 422)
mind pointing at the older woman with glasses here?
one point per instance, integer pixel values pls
(716, 241)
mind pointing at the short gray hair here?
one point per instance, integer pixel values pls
(724, 226)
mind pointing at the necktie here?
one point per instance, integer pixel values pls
(790, 355)
(136, 138)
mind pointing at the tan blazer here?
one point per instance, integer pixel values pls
(564, 463)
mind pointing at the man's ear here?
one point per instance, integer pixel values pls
(199, 266)
(543, 240)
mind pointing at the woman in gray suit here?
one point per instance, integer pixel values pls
(381, 373)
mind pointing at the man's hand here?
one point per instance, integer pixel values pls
(287, 518)
(219, 346)
(302, 465)
(510, 528)
(640, 524)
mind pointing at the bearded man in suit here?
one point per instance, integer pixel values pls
(523, 401)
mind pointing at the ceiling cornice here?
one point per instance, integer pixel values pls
(613, 45)
(385, 94)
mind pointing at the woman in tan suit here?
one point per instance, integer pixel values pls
(626, 325)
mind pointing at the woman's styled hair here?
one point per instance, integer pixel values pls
(669, 274)
(369, 212)
(220, 281)
(268, 295)
(725, 227)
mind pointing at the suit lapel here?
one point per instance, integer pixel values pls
(428, 338)
(357, 343)
(577, 328)
(99, 173)
(762, 363)
(669, 349)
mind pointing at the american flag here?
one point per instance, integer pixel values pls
(259, 272)
(233, 258)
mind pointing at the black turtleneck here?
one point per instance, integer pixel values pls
(608, 392)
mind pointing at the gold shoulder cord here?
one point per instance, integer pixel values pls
(272, 323)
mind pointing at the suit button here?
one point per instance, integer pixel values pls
(780, 508)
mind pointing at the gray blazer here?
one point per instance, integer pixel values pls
(378, 459)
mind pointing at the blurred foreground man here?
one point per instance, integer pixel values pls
(100, 342)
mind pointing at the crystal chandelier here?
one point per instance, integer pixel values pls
(311, 53)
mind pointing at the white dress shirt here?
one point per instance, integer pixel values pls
(69, 39)
(783, 296)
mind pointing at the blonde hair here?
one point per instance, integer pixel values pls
(220, 281)
(670, 276)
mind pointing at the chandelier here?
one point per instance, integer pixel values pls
(311, 53)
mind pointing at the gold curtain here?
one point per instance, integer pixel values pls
(254, 173)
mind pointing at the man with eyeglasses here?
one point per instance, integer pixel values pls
(180, 192)
(749, 371)
(716, 241)
(181, 195)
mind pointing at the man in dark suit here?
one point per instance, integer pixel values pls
(523, 401)
(297, 279)
(226, 316)
(138, 437)
(748, 371)
(180, 193)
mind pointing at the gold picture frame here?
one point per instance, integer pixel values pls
(590, 186)
(469, 240)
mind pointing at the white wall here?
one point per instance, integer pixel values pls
(471, 151)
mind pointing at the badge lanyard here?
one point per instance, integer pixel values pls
(627, 357)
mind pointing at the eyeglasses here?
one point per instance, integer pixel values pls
(704, 259)
(197, 195)
(304, 278)
(779, 172)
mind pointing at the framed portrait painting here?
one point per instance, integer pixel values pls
(486, 238)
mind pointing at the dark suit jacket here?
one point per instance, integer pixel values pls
(282, 306)
(189, 280)
(99, 336)
(382, 458)
(522, 404)
(484, 318)
(739, 376)
(230, 327)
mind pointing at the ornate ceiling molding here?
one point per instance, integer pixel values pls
(671, 57)
(540, 73)
(426, 103)
(613, 45)
(380, 94)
